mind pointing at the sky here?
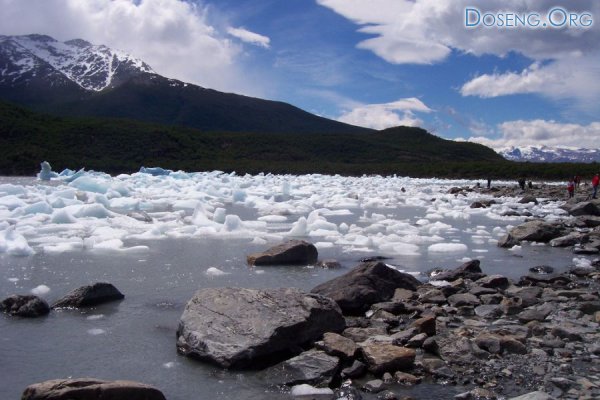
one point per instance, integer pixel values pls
(498, 72)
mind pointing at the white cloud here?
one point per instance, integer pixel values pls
(381, 116)
(250, 37)
(426, 32)
(541, 132)
(173, 36)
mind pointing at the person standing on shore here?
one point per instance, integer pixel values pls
(595, 182)
(571, 188)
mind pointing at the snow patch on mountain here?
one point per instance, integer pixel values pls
(550, 154)
(91, 67)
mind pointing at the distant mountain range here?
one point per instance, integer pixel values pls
(550, 154)
(76, 78)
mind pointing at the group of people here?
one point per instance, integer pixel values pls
(576, 181)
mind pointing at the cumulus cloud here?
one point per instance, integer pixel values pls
(427, 31)
(250, 37)
(381, 116)
(541, 132)
(173, 36)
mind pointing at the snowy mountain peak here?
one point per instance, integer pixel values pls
(550, 154)
(92, 67)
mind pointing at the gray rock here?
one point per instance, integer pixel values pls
(494, 281)
(481, 291)
(26, 306)
(538, 313)
(430, 345)
(403, 295)
(364, 285)
(529, 295)
(89, 296)
(361, 334)
(347, 393)
(491, 311)
(330, 264)
(507, 241)
(463, 299)
(533, 396)
(416, 341)
(238, 328)
(400, 338)
(584, 208)
(382, 358)
(528, 199)
(585, 250)
(536, 231)
(433, 296)
(311, 367)
(566, 241)
(568, 333)
(356, 370)
(374, 386)
(293, 252)
(469, 270)
(91, 389)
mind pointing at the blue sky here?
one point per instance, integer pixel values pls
(375, 63)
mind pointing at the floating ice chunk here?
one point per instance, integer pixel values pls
(96, 331)
(40, 290)
(186, 205)
(219, 215)
(62, 217)
(515, 248)
(233, 223)
(308, 390)
(155, 171)
(11, 202)
(7, 188)
(46, 172)
(258, 241)
(239, 195)
(324, 245)
(344, 228)
(169, 365)
(124, 203)
(91, 184)
(213, 271)
(13, 280)
(285, 188)
(582, 262)
(447, 248)
(439, 283)
(94, 317)
(14, 243)
(41, 207)
(299, 228)
(63, 247)
(93, 211)
(273, 218)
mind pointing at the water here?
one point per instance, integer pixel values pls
(135, 339)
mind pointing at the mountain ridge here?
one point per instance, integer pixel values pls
(539, 154)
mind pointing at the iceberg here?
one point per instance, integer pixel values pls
(46, 172)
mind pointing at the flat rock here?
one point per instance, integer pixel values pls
(584, 208)
(533, 396)
(463, 299)
(489, 311)
(535, 231)
(89, 296)
(494, 282)
(311, 367)
(366, 284)
(507, 241)
(91, 389)
(356, 370)
(240, 328)
(382, 358)
(426, 325)
(27, 306)
(565, 241)
(293, 252)
(469, 270)
(538, 313)
(338, 345)
(361, 334)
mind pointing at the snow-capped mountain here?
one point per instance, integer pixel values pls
(550, 154)
(93, 68)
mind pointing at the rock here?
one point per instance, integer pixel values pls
(536, 313)
(405, 378)
(347, 393)
(358, 335)
(589, 221)
(329, 264)
(425, 325)
(433, 296)
(566, 241)
(91, 389)
(511, 305)
(491, 311)
(589, 307)
(529, 295)
(374, 386)
(382, 358)
(508, 241)
(528, 199)
(513, 346)
(356, 370)
(463, 299)
(430, 345)
(584, 208)
(27, 306)
(293, 252)
(364, 285)
(402, 337)
(533, 396)
(494, 281)
(489, 343)
(89, 296)
(403, 295)
(543, 279)
(311, 367)
(535, 231)
(469, 270)
(338, 345)
(389, 395)
(585, 250)
(391, 307)
(239, 328)
(481, 291)
(477, 204)
(416, 341)
(542, 269)
(477, 394)
(569, 334)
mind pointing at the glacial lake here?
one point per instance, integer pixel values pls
(158, 265)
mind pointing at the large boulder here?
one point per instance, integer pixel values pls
(244, 328)
(536, 231)
(91, 389)
(366, 284)
(293, 252)
(27, 306)
(311, 367)
(382, 358)
(89, 296)
(469, 270)
(584, 208)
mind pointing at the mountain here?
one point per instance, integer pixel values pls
(550, 154)
(76, 78)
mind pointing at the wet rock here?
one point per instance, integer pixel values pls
(542, 269)
(528, 199)
(239, 328)
(89, 296)
(477, 394)
(27, 306)
(366, 284)
(338, 345)
(533, 396)
(566, 241)
(508, 241)
(374, 386)
(536, 231)
(91, 389)
(585, 250)
(405, 378)
(329, 264)
(293, 252)
(388, 395)
(311, 367)
(356, 370)
(347, 393)
(382, 358)
(469, 270)
(584, 208)
(477, 204)
(425, 325)
(463, 299)
(494, 281)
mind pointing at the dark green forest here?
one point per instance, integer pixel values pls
(122, 146)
